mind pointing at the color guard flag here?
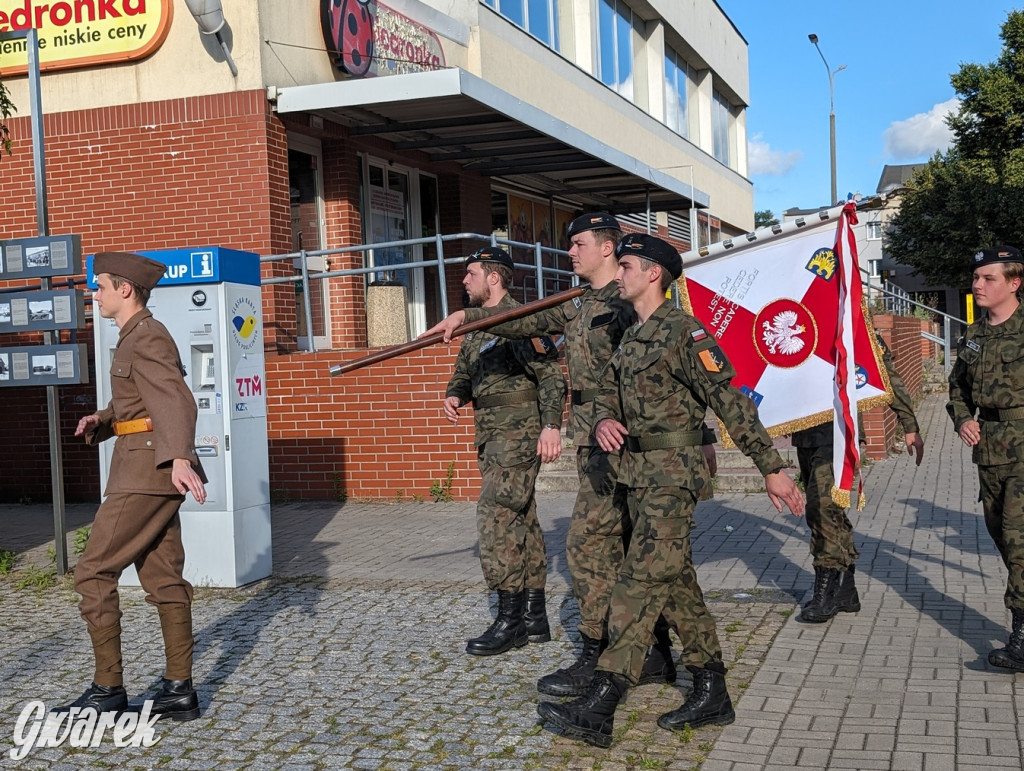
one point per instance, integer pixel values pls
(788, 311)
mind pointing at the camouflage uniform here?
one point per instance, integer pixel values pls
(593, 325)
(659, 384)
(831, 530)
(515, 392)
(987, 384)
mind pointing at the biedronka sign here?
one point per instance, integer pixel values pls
(82, 33)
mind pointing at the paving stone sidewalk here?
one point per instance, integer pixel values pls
(351, 655)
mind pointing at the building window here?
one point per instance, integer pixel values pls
(538, 17)
(615, 22)
(721, 128)
(677, 89)
(874, 230)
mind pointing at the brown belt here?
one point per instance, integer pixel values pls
(122, 427)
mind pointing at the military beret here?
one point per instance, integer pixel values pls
(594, 221)
(997, 254)
(134, 267)
(491, 254)
(654, 249)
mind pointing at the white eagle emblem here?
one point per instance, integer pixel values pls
(783, 334)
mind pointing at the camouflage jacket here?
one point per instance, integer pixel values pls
(488, 366)
(902, 405)
(989, 374)
(664, 376)
(593, 325)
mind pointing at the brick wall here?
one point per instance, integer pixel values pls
(377, 432)
(881, 428)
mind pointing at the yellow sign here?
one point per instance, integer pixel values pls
(970, 309)
(82, 33)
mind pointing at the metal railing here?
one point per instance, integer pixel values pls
(894, 297)
(540, 273)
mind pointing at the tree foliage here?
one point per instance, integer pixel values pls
(6, 110)
(972, 195)
(765, 218)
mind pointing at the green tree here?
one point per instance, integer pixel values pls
(765, 218)
(6, 110)
(970, 196)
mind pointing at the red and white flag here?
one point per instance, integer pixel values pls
(787, 310)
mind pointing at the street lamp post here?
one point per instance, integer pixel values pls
(831, 110)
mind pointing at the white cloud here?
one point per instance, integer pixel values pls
(922, 134)
(763, 161)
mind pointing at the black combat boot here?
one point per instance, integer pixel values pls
(507, 631)
(102, 698)
(591, 716)
(847, 599)
(709, 702)
(1012, 656)
(822, 605)
(659, 666)
(574, 679)
(537, 628)
(177, 700)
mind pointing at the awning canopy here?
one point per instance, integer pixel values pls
(452, 115)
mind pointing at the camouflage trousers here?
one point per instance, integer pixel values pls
(658, 577)
(831, 530)
(1002, 497)
(512, 553)
(594, 546)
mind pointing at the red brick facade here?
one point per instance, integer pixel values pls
(903, 336)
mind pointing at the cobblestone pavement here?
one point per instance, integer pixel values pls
(351, 655)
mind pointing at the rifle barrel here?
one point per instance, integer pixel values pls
(414, 345)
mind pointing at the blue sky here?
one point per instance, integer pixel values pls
(889, 101)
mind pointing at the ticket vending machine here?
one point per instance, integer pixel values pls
(209, 300)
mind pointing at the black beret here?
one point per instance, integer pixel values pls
(997, 254)
(598, 220)
(134, 267)
(491, 254)
(654, 249)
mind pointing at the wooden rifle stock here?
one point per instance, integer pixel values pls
(414, 345)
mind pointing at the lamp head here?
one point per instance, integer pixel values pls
(813, 38)
(209, 15)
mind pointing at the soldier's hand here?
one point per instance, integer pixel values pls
(781, 489)
(970, 432)
(451, 408)
(447, 325)
(88, 423)
(710, 457)
(549, 445)
(610, 434)
(915, 445)
(185, 478)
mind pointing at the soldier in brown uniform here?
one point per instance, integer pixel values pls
(518, 395)
(657, 388)
(832, 547)
(593, 325)
(154, 466)
(986, 403)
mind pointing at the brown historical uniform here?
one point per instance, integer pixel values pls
(137, 523)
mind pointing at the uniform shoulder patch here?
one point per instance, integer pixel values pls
(712, 359)
(698, 334)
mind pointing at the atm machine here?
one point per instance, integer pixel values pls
(209, 300)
